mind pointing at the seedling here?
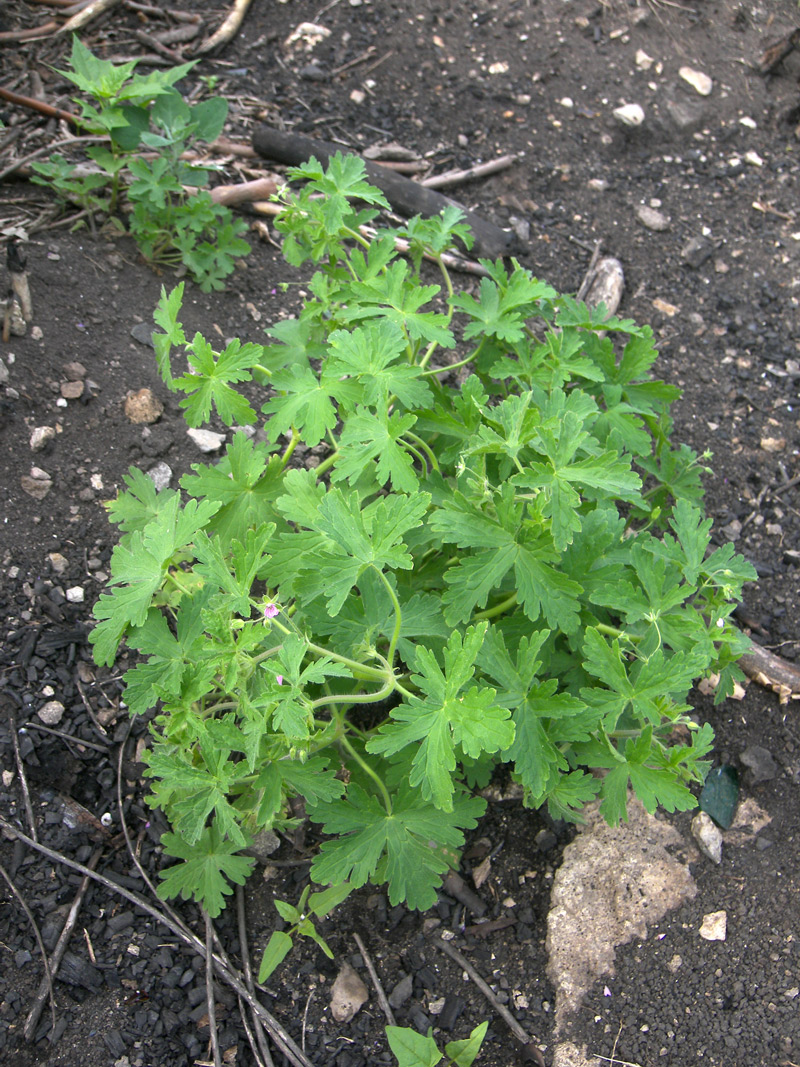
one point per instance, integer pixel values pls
(171, 222)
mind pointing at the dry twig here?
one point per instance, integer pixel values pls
(519, 1033)
(382, 998)
(51, 970)
(85, 16)
(47, 981)
(228, 29)
(212, 1009)
(23, 781)
(458, 177)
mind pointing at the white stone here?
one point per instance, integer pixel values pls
(41, 436)
(643, 60)
(207, 440)
(358, 96)
(652, 219)
(708, 837)
(754, 159)
(160, 475)
(51, 713)
(75, 594)
(714, 926)
(629, 115)
(699, 81)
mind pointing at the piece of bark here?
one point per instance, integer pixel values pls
(406, 196)
(776, 53)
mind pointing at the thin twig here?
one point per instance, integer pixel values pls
(48, 977)
(382, 999)
(66, 737)
(212, 1009)
(228, 28)
(501, 1009)
(23, 781)
(58, 952)
(277, 1031)
(48, 148)
(39, 105)
(77, 22)
(247, 970)
(588, 277)
(480, 170)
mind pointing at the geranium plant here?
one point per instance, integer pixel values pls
(499, 558)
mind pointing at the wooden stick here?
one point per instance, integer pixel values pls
(458, 177)
(247, 970)
(32, 34)
(23, 781)
(244, 192)
(211, 1007)
(515, 1028)
(58, 952)
(228, 28)
(771, 671)
(91, 11)
(382, 999)
(39, 105)
(48, 976)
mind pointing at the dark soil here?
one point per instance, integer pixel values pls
(720, 286)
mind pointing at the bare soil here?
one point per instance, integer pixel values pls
(460, 83)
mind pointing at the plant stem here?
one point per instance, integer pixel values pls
(178, 585)
(326, 464)
(451, 366)
(363, 668)
(498, 609)
(287, 455)
(398, 618)
(428, 451)
(387, 800)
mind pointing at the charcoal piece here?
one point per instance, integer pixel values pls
(114, 1042)
(453, 1007)
(79, 972)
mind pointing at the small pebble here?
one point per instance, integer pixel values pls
(160, 476)
(714, 926)
(75, 594)
(699, 81)
(41, 436)
(652, 219)
(51, 713)
(708, 837)
(629, 115)
(207, 440)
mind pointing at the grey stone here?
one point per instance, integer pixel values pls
(401, 993)
(143, 333)
(761, 765)
(696, 251)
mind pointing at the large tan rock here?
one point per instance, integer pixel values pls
(612, 883)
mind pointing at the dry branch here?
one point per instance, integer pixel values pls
(244, 192)
(773, 672)
(85, 16)
(228, 29)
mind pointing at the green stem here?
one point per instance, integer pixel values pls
(354, 698)
(179, 585)
(326, 464)
(498, 609)
(262, 370)
(452, 366)
(387, 800)
(398, 617)
(265, 655)
(428, 451)
(362, 668)
(287, 455)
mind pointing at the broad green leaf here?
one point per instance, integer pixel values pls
(464, 1053)
(412, 1049)
(278, 948)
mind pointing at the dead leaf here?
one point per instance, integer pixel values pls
(481, 872)
(348, 995)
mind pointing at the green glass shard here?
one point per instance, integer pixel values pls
(720, 795)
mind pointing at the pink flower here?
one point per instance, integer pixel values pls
(279, 679)
(270, 611)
